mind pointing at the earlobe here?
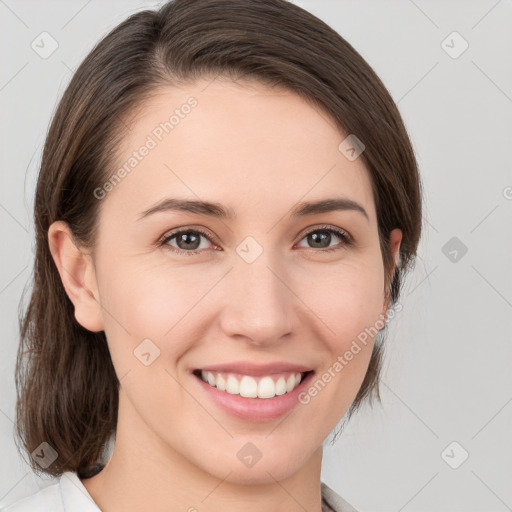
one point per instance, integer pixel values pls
(77, 275)
(395, 241)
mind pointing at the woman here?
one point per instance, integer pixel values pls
(257, 135)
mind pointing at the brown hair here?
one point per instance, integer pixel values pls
(66, 384)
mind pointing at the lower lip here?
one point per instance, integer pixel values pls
(255, 409)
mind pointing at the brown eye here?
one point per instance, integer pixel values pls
(187, 240)
(321, 238)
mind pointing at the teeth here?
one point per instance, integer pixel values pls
(211, 379)
(249, 387)
(221, 383)
(232, 385)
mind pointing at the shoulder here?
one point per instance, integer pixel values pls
(47, 499)
(334, 500)
(68, 494)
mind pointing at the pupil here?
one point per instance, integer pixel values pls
(322, 237)
(186, 238)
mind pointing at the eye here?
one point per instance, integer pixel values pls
(321, 237)
(188, 241)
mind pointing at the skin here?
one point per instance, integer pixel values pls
(259, 152)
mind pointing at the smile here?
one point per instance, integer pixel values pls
(267, 386)
(252, 392)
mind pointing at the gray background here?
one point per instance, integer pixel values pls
(447, 371)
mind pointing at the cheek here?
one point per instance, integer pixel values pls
(155, 303)
(350, 314)
(346, 300)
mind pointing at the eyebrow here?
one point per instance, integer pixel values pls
(213, 209)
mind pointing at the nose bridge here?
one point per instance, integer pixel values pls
(258, 304)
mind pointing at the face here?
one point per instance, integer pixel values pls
(256, 296)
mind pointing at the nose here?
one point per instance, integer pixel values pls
(257, 302)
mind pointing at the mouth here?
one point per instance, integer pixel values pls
(253, 398)
(261, 387)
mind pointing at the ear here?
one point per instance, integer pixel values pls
(394, 243)
(78, 276)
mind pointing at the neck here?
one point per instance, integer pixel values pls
(144, 473)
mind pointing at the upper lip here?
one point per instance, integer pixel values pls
(248, 368)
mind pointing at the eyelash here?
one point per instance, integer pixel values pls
(347, 240)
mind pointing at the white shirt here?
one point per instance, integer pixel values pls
(69, 494)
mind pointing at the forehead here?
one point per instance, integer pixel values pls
(242, 144)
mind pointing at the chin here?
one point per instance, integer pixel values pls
(262, 475)
(265, 470)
